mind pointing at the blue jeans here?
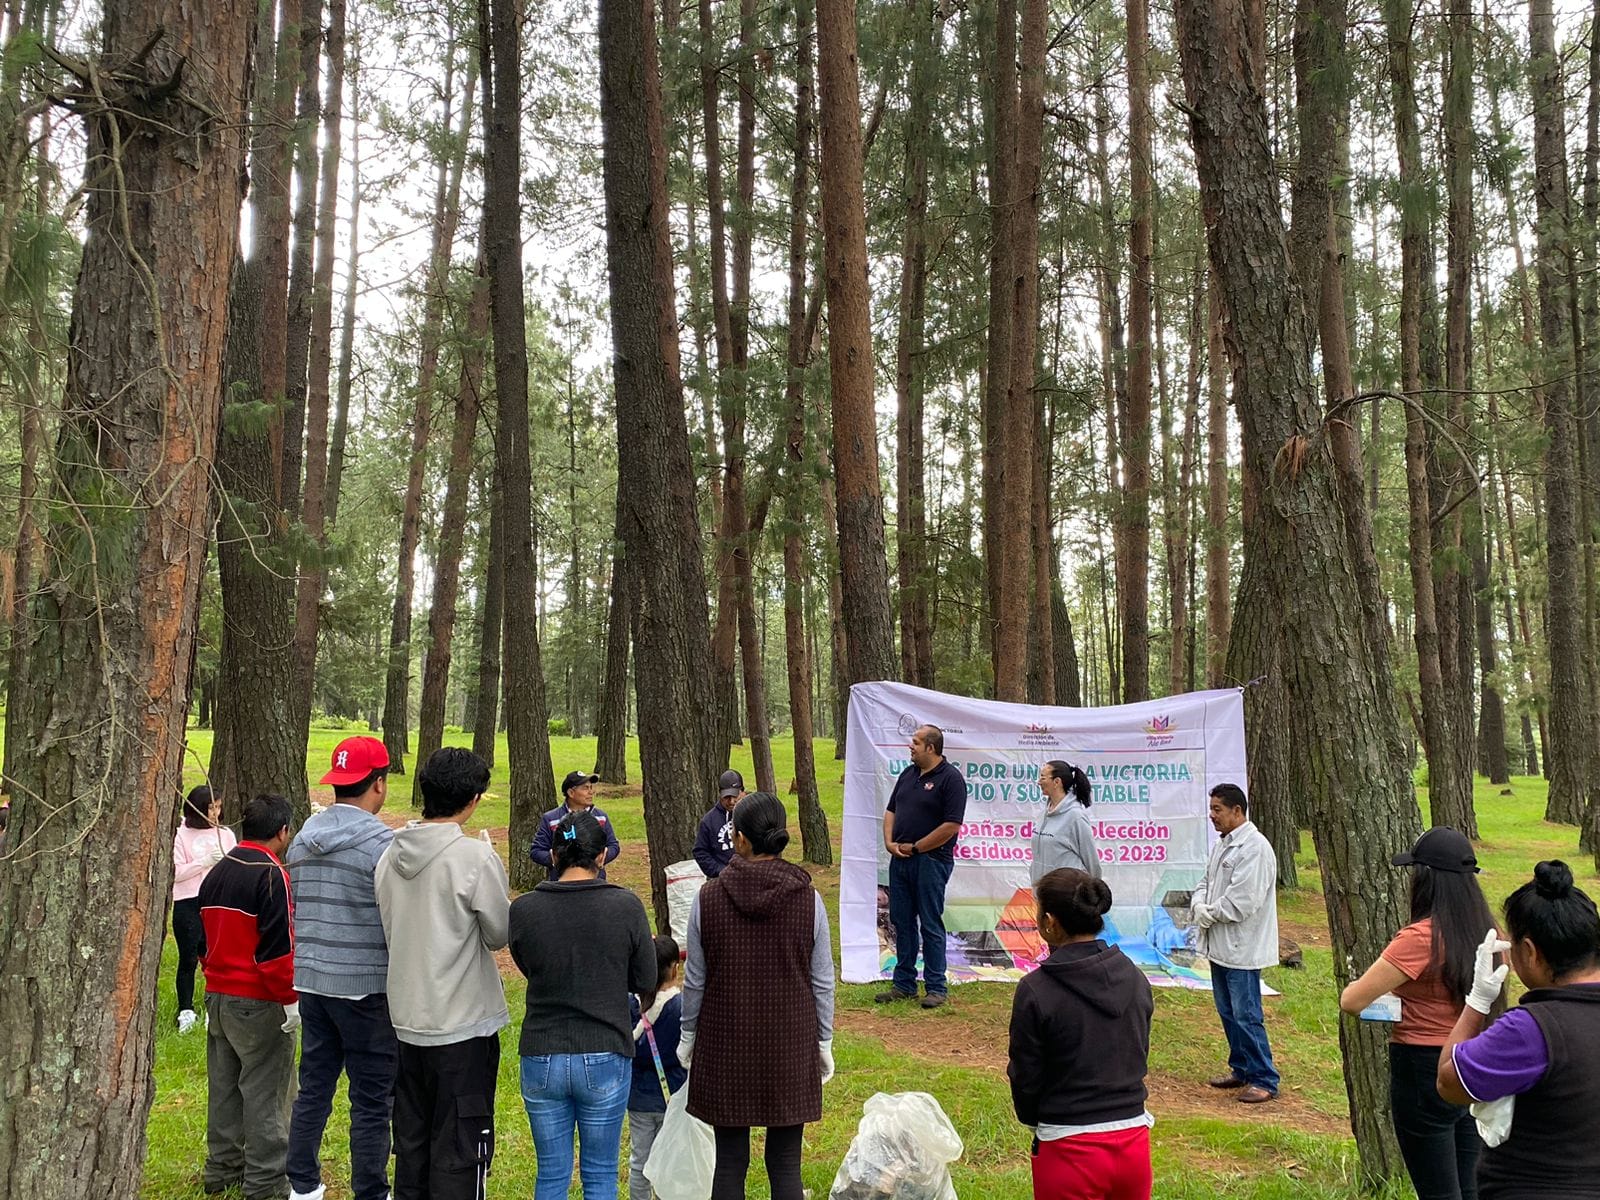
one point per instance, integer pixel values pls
(1238, 996)
(356, 1037)
(916, 910)
(586, 1091)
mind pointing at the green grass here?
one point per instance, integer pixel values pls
(1298, 1149)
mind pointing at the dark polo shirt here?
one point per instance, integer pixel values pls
(921, 803)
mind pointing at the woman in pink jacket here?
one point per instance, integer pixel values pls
(199, 846)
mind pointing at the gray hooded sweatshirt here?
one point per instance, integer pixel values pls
(1064, 838)
(445, 902)
(339, 944)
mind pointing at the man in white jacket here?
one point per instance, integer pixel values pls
(445, 902)
(1236, 908)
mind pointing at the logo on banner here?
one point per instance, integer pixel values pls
(1158, 732)
(908, 724)
(1038, 736)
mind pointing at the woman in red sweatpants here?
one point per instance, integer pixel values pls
(1080, 1046)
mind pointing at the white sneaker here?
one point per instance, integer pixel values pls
(186, 1020)
(316, 1193)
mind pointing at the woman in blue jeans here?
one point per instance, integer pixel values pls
(585, 946)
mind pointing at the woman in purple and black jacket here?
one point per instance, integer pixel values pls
(1545, 1053)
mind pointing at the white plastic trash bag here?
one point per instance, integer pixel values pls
(1494, 1119)
(902, 1150)
(684, 881)
(684, 1154)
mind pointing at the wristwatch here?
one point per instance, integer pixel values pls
(914, 850)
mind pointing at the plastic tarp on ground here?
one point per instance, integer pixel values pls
(1151, 767)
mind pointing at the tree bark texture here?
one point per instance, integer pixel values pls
(446, 218)
(297, 332)
(911, 524)
(660, 524)
(533, 789)
(611, 749)
(1001, 112)
(815, 844)
(1570, 720)
(314, 506)
(452, 531)
(113, 626)
(1360, 798)
(1133, 573)
(863, 561)
(491, 628)
(1218, 591)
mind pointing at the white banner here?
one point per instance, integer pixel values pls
(1151, 766)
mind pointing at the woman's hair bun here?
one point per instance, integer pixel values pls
(1553, 879)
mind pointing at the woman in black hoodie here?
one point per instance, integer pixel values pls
(1080, 1044)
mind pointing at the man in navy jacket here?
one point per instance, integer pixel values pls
(578, 790)
(713, 844)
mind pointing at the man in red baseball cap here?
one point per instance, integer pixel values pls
(341, 974)
(354, 759)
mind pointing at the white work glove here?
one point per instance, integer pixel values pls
(825, 1050)
(214, 855)
(1204, 915)
(1487, 979)
(685, 1049)
(291, 1017)
(487, 840)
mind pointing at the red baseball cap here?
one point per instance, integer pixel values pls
(354, 759)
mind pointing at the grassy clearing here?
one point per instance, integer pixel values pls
(1204, 1146)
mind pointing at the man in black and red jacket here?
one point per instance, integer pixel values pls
(251, 1007)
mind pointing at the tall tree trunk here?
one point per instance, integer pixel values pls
(491, 630)
(660, 524)
(297, 333)
(1570, 720)
(446, 218)
(347, 320)
(863, 562)
(1218, 591)
(1001, 113)
(815, 844)
(911, 527)
(533, 791)
(1331, 671)
(314, 507)
(1179, 520)
(100, 763)
(1449, 789)
(452, 531)
(1017, 421)
(256, 662)
(1133, 574)
(611, 750)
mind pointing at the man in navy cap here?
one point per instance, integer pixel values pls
(578, 790)
(713, 844)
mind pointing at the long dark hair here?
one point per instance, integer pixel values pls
(1460, 914)
(1557, 917)
(667, 957)
(1073, 779)
(197, 808)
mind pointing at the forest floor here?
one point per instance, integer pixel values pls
(1204, 1144)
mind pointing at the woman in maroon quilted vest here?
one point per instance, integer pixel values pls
(758, 1003)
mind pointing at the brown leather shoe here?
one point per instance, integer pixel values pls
(1256, 1095)
(1226, 1081)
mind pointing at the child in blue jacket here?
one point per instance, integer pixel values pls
(656, 1015)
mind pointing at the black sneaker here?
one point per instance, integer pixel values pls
(935, 999)
(893, 995)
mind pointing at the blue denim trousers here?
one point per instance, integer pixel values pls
(586, 1092)
(916, 910)
(356, 1038)
(1238, 996)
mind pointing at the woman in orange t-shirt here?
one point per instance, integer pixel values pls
(1429, 966)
